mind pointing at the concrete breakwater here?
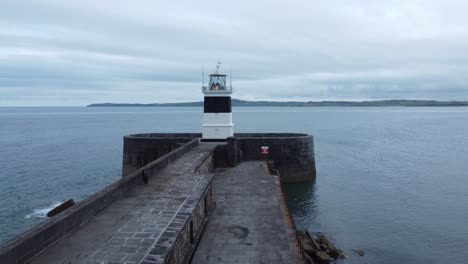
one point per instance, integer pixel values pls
(157, 212)
(291, 153)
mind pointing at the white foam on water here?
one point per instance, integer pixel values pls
(41, 213)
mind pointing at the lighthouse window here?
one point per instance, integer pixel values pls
(217, 82)
(218, 104)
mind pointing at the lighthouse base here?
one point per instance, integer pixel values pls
(216, 133)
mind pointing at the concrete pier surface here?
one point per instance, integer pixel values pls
(138, 226)
(184, 206)
(249, 222)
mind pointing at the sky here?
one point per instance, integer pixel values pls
(74, 53)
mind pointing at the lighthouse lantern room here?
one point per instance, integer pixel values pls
(217, 116)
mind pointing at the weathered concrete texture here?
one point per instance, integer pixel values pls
(249, 224)
(154, 223)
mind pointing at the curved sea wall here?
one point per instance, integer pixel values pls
(291, 153)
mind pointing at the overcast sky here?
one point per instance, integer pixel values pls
(67, 53)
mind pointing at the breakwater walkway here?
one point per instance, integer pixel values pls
(142, 226)
(248, 224)
(182, 206)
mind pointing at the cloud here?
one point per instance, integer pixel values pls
(81, 52)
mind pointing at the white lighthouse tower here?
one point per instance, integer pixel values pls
(217, 115)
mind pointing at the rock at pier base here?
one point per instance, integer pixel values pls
(322, 257)
(320, 248)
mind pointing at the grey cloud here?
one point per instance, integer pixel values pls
(150, 51)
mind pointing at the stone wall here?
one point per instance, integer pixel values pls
(208, 166)
(141, 149)
(31, 242)
(220, 156)
(292, 153)
(178, 242)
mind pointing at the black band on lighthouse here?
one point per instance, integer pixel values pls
(217, 104)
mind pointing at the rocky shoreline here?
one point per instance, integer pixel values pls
(319, 248)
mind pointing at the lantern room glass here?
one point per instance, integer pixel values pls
(217, 82)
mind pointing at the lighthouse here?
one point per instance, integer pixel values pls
(217, 112)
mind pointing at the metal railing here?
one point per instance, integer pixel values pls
(226, 89)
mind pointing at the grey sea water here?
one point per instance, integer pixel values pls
(392, 181)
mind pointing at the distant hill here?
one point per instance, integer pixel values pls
(237, 102)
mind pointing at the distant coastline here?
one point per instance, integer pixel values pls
(237, 102)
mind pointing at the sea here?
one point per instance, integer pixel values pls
(391, 181)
